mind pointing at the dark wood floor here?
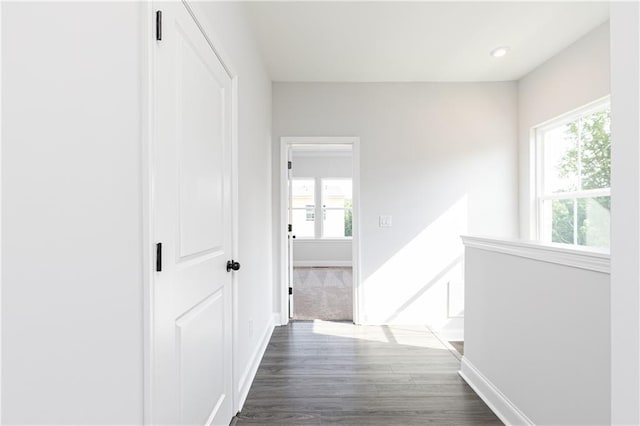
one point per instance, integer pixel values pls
(339, 373)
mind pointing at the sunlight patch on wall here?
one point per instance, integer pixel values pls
(412, 287)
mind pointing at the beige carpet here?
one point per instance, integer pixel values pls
(322, 293)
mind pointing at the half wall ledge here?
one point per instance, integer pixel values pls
(591, 259)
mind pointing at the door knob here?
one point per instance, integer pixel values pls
(231, 264)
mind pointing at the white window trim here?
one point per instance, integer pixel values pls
(538, 156)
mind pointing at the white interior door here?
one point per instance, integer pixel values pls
(192, 213)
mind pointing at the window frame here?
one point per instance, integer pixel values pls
(540, 197)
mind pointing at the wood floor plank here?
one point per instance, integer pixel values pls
(363, 403)
(338, 373)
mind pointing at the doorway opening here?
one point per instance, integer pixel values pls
(320, 212)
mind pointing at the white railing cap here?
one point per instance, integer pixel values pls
(589, 258)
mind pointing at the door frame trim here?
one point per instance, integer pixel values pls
(147, 141)
(358, 293)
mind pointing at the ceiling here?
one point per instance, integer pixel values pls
(415, 41)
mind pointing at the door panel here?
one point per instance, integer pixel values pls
(192, 213)
(199, 334)
(200, 97)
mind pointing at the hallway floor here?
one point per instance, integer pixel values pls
(319, 372)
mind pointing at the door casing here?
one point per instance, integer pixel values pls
(285, 145)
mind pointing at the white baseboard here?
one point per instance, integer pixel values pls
(244, 384)
(491, 395)
(321, 263)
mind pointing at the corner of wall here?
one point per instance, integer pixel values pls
(246, 379)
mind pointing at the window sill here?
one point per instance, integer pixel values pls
(592, 259)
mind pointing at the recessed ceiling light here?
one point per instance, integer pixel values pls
(499, 52)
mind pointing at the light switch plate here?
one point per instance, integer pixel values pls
(385, 221)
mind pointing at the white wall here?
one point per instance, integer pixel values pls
(590, 69)
(318, 252)
(73, 83)
(254, 290)
(72, 342)
(322, 166)
(625, 211)
(437, 178)
(539, 333)
(311, 252)
(574, 77)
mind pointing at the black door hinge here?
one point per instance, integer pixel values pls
(289, 165)
(290, 228)
(290, 290)
(159, 257)
(158, 25)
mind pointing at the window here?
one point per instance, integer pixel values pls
(335, 211)
(573, 197)
(303, 195)
(337, 208)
